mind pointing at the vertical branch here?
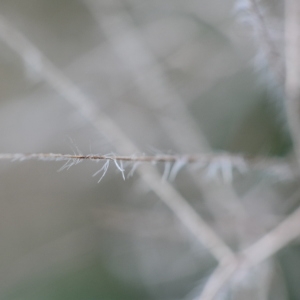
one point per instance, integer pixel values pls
(292, 57)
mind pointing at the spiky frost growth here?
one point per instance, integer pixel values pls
(214, 165)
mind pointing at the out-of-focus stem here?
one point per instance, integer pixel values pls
(292, 59)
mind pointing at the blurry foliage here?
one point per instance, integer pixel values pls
(64, 236)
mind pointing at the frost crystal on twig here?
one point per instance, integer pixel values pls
(213, 164)
(103, 170)
(119, 166)
(177, 166)
(167, 169)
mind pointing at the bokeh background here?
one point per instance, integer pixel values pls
(177, 77)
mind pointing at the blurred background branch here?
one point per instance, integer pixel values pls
(169, 79)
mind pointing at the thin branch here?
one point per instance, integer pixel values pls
(104, 124)
(218, 279)
(276, 239)
(240, 163)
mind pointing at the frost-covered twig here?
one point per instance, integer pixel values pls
(104, 124)
(215, 163)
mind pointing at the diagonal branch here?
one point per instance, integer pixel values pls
(104, 124)
(273, 241)
(287, 231)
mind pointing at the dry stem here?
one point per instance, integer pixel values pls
(241, 163)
